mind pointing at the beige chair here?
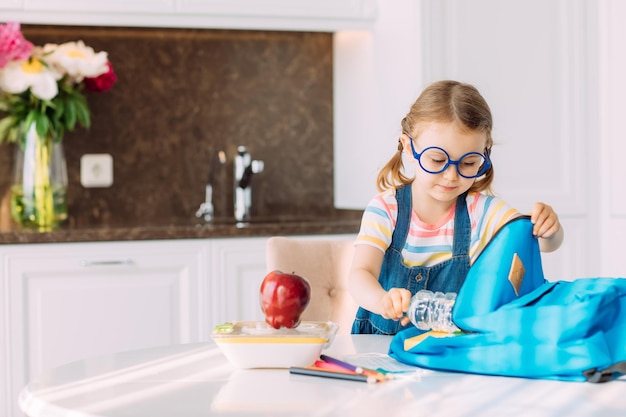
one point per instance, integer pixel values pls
(325, 263)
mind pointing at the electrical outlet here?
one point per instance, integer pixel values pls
(96, 170)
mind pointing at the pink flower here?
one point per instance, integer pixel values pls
(13, 46)
(102, 82)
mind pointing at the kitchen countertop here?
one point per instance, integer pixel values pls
(341, 222)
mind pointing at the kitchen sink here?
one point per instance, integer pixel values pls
(231, 221)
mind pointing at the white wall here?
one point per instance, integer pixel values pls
(612, 143)
(377, 76)
(532, 62)
(552, 72)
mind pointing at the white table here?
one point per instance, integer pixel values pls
(195, 380)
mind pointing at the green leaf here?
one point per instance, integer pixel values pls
(14, 135)
(42, 124)
(70, 115)
(82, 114)
(59, 106)
(52, 117)
(6, 125)
(31, 116)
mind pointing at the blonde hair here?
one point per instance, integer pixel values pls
(442, 101)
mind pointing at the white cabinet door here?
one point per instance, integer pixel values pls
(316, 15)
(99, 5)
(65, 302)
(327, 9)
(11, 4)
(237, 270)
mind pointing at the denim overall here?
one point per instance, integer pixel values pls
(446, 276)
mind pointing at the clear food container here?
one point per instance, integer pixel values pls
(255, 344)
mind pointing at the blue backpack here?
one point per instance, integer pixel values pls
(515, 323)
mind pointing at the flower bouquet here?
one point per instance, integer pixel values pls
(42, 97)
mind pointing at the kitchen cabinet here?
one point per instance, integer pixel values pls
(11, 4)
(315, 15)
(64, 302)
(237, 269)
(96, 6)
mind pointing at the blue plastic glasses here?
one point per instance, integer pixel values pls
(435, 160)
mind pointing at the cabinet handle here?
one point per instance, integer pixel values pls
(107, 263)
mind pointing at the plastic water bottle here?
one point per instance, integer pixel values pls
(432, 311)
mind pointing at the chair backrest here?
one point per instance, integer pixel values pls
(325, 263)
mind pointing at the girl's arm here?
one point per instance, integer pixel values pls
(552, 243)
(367, 291)
(546, 227)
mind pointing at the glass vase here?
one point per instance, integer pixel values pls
(39, 189)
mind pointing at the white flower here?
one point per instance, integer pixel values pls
(17, 76)
(76, 60)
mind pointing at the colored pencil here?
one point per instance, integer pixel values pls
(380, 377)
(312, 371)
(343, 364)
(332, 367)
(357, 369)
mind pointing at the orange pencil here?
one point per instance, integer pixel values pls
(379, 376)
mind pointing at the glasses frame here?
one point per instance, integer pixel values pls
(484, 168)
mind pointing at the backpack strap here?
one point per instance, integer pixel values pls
(596, 376)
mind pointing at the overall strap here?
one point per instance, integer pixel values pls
(462, 227)
(462, 224)
(403, 221)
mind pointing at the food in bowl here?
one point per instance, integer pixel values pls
(255, 344)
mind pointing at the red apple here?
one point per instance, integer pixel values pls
(283, 298)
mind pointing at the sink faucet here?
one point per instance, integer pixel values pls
(245, 167)
(207, 209)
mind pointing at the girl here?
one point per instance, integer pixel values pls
(424, 231)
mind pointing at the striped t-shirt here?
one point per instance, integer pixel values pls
(428, 245)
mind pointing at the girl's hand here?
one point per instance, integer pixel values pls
(546, 227)
(545, 221)
(394, 303)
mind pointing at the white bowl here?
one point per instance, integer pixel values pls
(255, 344)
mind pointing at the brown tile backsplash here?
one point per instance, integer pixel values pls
(182, 93)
